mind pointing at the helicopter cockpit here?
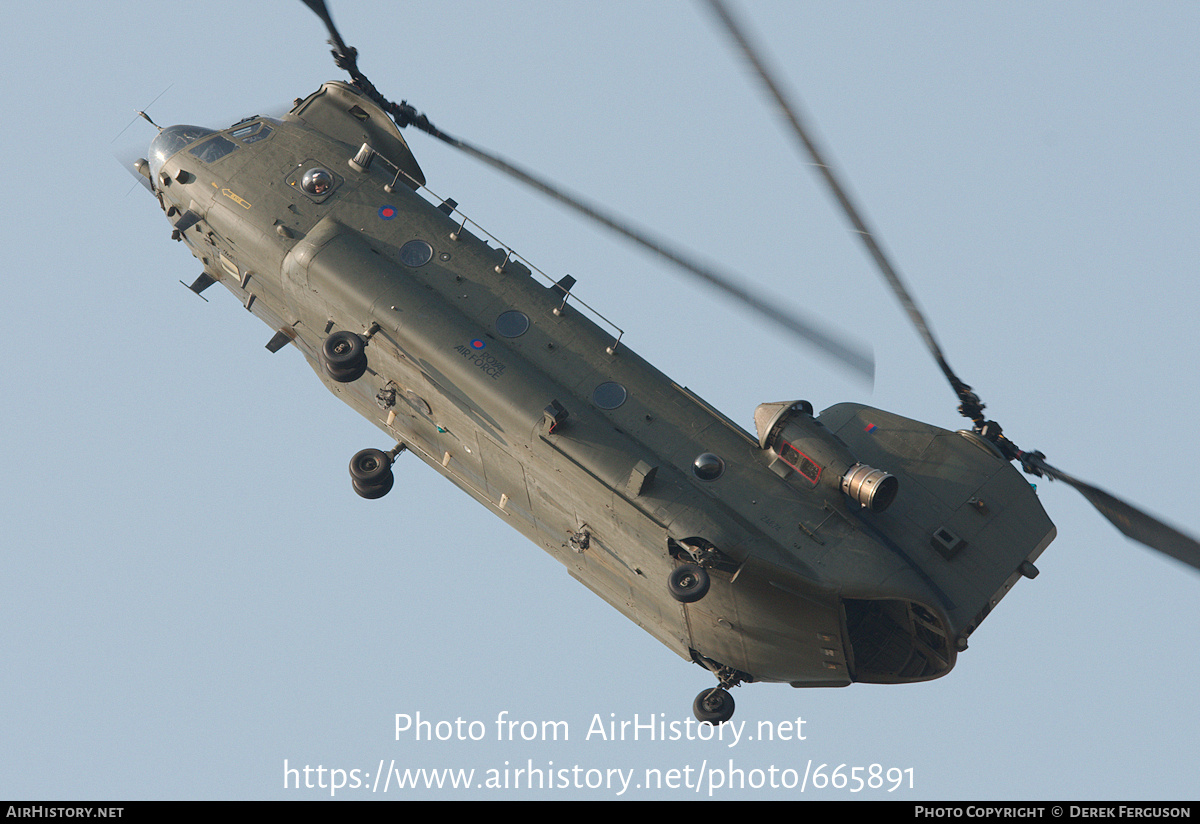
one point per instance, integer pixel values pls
(169, 141)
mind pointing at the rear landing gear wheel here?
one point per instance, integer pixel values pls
(688, 583)
(714, 706)
(371, 473)
(376, 490)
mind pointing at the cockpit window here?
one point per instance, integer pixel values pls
(252, 133)
(171, 140)
(213, 149)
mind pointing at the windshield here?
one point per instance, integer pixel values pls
(170, 141)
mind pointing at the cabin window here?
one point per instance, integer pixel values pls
(317, 181)
(708, 467)
(416, 253)
(609, 395)
(512, 324)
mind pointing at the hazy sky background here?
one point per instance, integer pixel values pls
(192, 593)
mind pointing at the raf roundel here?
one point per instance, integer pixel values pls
(387, 212)
(477, 344)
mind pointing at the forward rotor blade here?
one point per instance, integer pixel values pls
(321, 10)
(792, 113)
(405, 115)
(1136, 524)
(848, 354)
(129, 167)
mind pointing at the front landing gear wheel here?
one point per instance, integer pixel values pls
(714, 706)
(344, 356)
(688, 583)
(371, 473)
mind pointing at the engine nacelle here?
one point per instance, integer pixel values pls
(810, 456)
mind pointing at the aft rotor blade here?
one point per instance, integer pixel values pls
(792, 113)
(1136, 524)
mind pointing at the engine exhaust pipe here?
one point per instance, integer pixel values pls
(872, 488)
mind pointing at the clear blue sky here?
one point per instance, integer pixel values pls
(192, 594)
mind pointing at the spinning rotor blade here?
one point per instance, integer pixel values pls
(321, 10)
(971, 406)
(849, 355)
(405, 115)
(128, 159)
(1134, 523)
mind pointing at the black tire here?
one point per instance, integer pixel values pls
(344, 356)
(343, 349)
(714, 706)
(370, 467)
(345, 375)
(374, 491)
(688, 583)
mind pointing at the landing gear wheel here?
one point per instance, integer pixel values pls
(370, 466)
(714, 706)
(375, 490)
(344, 356)
(345, 375)
(688, 583)
(371, 473)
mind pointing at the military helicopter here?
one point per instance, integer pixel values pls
(729, 547)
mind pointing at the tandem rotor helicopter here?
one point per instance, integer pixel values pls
(821, 549)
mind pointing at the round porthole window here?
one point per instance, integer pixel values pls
(708, 467)
(609, 395)
(512, 324)
(416, 253)
(317, 181)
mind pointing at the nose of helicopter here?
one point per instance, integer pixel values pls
(169, 141)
